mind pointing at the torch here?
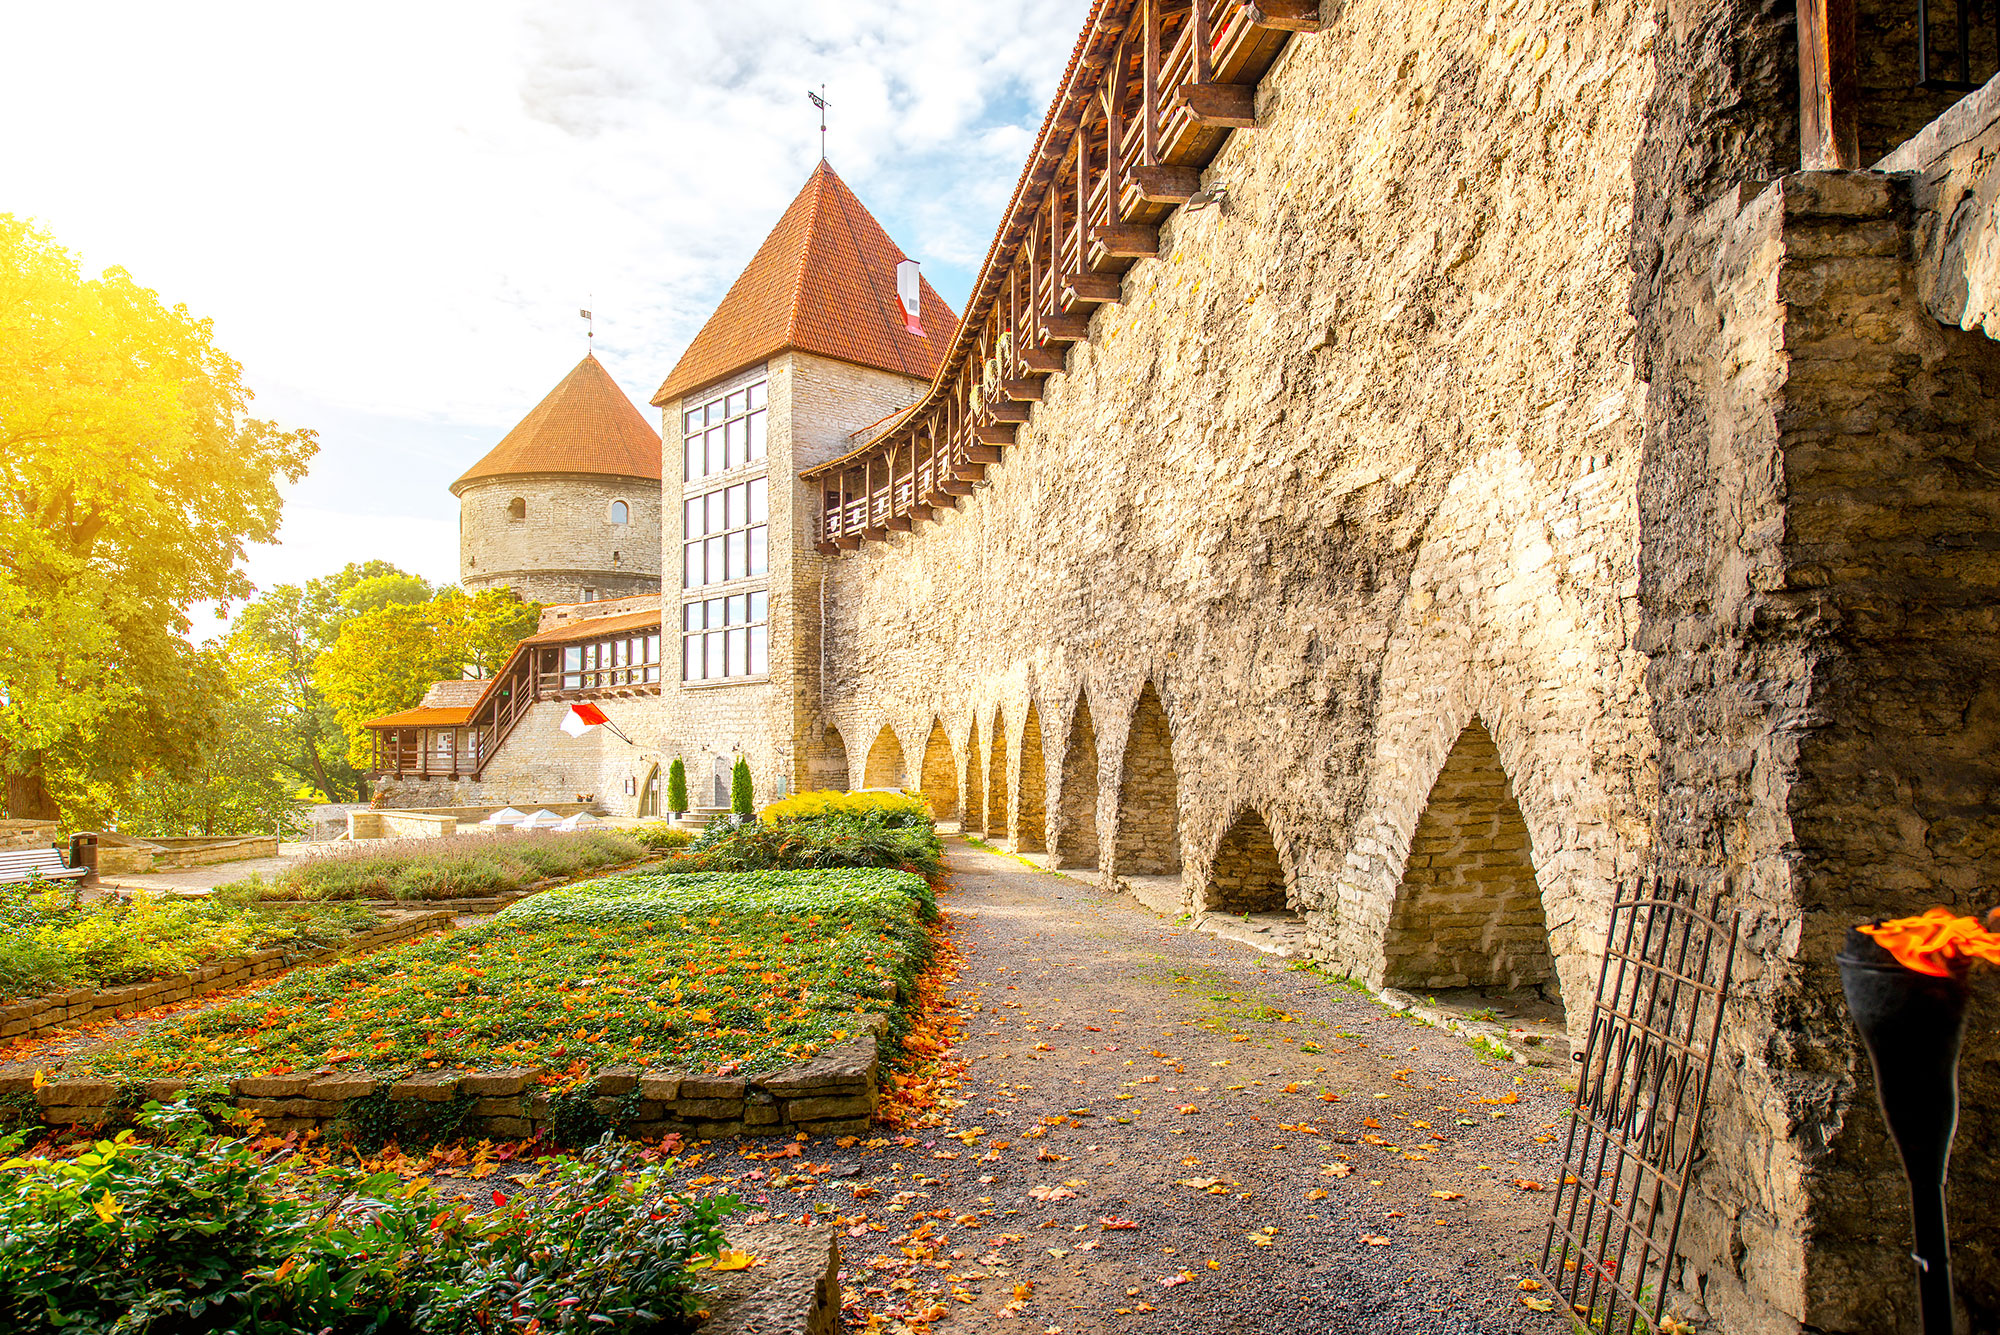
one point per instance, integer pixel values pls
(1906, 988)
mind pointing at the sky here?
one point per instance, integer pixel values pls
(394, 211)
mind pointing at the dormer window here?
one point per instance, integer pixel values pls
(621, 513)
(517, 508)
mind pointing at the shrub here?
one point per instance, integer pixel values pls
(661, 838)
(461, 866)
(895, 808)
(194, 1235)
(819, 842)
(677, 787)
(669, 970)
(742, 798)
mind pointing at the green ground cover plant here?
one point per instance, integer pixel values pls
(50, 941)
(196, 1233)
(661, 837)
(458, 867)
(689, 971)
(836, 839)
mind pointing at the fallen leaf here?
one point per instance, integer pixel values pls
(1449, 1195)
(1374, 1240)
(1184, 1277)
(734, 1260)
(1539, 1304)
(1108, 1224)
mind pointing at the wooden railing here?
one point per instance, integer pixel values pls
(1153, 91)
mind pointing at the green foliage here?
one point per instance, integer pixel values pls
(383, 661)
(871, 839)
(131, 478)
(661, 838)
(375, 1120)
(463, 866)
(742, 798)
(677, 787)
(895, 808)
(197, 1235)
(240, 781)
(48, 943)
(670, 970)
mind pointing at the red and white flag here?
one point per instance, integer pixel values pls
(582, 717)
(909, 292)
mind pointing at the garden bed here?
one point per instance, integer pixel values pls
(717, 983)
(456, 867)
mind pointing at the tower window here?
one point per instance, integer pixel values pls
(517, 508)
(620, 512)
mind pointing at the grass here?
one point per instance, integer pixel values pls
(458, 867)
(49, 943)
(688, 972)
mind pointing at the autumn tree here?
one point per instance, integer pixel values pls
(131, 478)
(383, 661)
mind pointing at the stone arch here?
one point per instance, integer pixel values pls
(1031, 800)
(1469, 910)
(939, 780)
(996, 780)
(973, 821)
(1148, 832)
(1076, 827)
(649, 791)
(884, 766)
(1246, 875)
(826, 761)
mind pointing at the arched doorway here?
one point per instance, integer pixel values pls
(1030, 819)
(826, 763)
(1468, 913)
(996, 781)
(974, 820)
(1077, 834)
(939, 781)
(649, 791)
(1148, 833)
(884, 767)
(1247, 875)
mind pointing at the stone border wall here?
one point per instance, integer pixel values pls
(64, 1010)
(834, 1094)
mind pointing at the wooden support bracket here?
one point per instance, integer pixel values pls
(954, 487)
(826, 547)
(1127, 240)
(983, 454)
(848, 542)
(1092, 289)
(900, 524)
(1070, 328)
(1230, 106)
(1166, 185)
(1026, 390)
(1007, 410)
(1043, 359)
(1284, 15)
(969, 470)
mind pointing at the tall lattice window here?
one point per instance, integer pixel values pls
(726, 637)
(728, 534)
(724, 433)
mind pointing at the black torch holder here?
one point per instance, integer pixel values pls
(1911, 1024)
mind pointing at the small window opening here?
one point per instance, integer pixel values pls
(517, 508)
(620, 512)
(590, 595)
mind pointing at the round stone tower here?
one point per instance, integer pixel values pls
(566, 508)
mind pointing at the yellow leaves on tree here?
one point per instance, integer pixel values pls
(131, 477)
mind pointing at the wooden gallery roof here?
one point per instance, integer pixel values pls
(452, 704)
(823, 282)
(585, 425)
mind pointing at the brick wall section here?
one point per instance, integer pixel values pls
(1469, 912)
(940, 775)
(831, 1095)
(885, 762)
(997, 822)
(1146, 839)
(1246, 874)
(974, 803)
(1031, 815)
(1073, 842)
(565, 543)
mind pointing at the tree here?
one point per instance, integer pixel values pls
(383, 661)
(131, 478)
(742, 801)
(280, 635)
(239, 782)
(677, 787)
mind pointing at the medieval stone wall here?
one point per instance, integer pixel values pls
(564, 541)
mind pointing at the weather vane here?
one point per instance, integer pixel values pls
(819, 100)
(589, 332)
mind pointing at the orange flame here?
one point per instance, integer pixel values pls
(1932, 943)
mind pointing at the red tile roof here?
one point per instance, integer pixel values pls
(593, 628)
(823, 282)
(421, 717)
(585, 425)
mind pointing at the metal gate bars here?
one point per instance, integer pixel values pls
(1639, 1099)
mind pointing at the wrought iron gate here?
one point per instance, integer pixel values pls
(1639, 1099)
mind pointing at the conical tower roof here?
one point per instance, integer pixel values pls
(823, 282)
(585, 425)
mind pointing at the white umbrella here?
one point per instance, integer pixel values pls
(582, 820)
(541, 820)
(505, 816)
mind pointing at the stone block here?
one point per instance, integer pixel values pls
(817, 1109)
(500, 1107)
(509, 1127)
(660, 1086)
(74, 1114)
(342, 1085)
(762, 1112)
(712, 1087)
(709, 1109)
(852, 1067)
(836, 1126)
(616, 1080)
(502, 1082)
(17, 1079)
(76, 1093)
(272, 1086)
(427, 1087)
(162, 1091)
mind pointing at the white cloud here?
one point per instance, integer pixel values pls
(393, 209)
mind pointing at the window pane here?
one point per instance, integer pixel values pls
(716, 463)
(619, 513)
(715, 412)
(691, 617)
(715, 567)
(714, 606)
(739, 564)
(738, 497)
(618, 653)
(713, 653)
(573, 657)
(756, 421)
(736, 404)
(694, 518)
(652, 648)
(739, 653)
(691, 658)
(739, 608)
(760, 498)
(760, 607)
(693, 468)
(691, 567)
(760, 650)
(737, 453)
(691, 421)
(760, 549)
(756, 392)
(714, 502)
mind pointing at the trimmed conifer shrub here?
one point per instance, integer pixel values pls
(677, 787)
(742, 801)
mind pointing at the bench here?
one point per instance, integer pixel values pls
(24, 864)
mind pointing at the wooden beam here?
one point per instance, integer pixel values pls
(983, 454)
(1043, 359)
(992, 433)
(900, 524)
(1231, 106)
(1095, 288)
(1829, 87)
(1284, 15)
(1068, 328)
(1166, 185)
(969, 471)
(1006, 410)
(1127, 240)
(849, 542)
(1025, 390)
(952, 486)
